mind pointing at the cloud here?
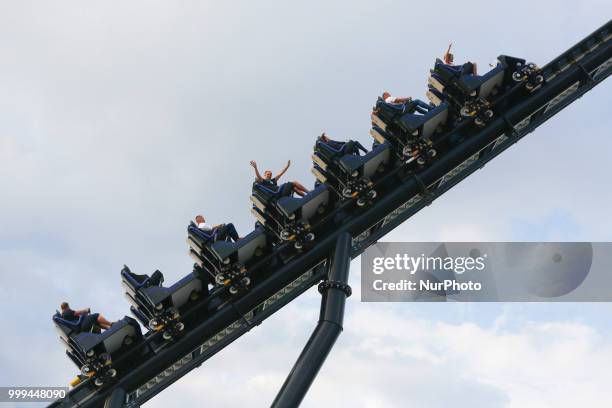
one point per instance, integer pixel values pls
(384, 359)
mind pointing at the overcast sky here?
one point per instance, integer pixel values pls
(119, 121)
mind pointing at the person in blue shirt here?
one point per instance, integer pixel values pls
(350, 147)
(89, 319)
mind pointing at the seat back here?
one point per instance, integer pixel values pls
(305, 207)
(373, 159)
(66, 327)
(201, 237)
(243, 250)
(436, 118)
(114, 337)
(181, 290)
(492, 79)
(327, 150)
(388, 111)
(260, 190)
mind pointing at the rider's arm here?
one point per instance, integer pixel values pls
(447, 54)
(257, 175)
(283, 171)
(81, 312)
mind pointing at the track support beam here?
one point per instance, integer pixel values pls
(335, 290)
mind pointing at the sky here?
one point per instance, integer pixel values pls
(120, 121)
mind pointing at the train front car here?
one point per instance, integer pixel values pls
(94, 352)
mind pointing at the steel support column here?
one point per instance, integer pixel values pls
(335, 290)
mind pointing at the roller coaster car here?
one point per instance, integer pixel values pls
(466, 92)
(93, 352)
(350, 175)
(408, 132)
(288, 218)
(227, 261)
(159, 308)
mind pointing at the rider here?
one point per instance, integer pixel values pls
(270, 182)
(89, 319)
(466, 69)
(412, 105)
(220, 232)
(350, 147)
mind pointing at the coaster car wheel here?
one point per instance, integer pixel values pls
(167, 336)
(517, 76)
(479, 122)
(233, 290)
(298, 245)
(284, 235)
(219, 279)
(371, 194)
(432, 153)
(86, 370)
(309, 237)
(98, 382)
(180, 326)
(421, 160)
(466, 111)
(347, 192)
(361, 202)
(112, 373)
(153, 323)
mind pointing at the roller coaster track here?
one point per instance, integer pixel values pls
(567, 78)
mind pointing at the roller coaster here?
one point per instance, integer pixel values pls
(417, 155)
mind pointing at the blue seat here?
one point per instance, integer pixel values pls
(243, 250)
(401, 119)
(67, 327)
(368, 164)
(109, 341)
(265, 192)
(424, 125)
(304, 208)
